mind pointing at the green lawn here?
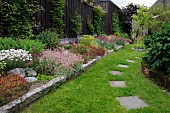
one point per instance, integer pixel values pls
(91, 91)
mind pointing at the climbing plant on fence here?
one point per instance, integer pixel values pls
(98, 17)
(57, 14)
(115, 23)
(76, 22)
(16, 17)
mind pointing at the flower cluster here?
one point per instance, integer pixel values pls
(105, 42)
(15, 58)
(53, 62)
(86, 40)
(12, 87)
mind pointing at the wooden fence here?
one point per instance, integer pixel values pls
(43, 18)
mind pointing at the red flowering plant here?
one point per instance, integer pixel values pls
(12, 87)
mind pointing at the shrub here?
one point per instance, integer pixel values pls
(80, 49)
(86, 40)
(15, 58)
(8, 43)
(59, 63)
(49, 38)
(105, 42)
(159, 55)
(96, 51)
(117, 34)
(119, 41)
(125, 35)
(33, 46)
(12, 87)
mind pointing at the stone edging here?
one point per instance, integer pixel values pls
(140, 50)
(18, 104)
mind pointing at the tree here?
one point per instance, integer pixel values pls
(161, 15)
(140, 21)
(126, 17)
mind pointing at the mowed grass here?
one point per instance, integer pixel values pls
(91, 91)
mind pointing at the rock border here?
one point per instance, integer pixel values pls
(31, 96)
(139, 50)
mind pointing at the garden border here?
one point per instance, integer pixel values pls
(139, 50)
(18, 104)
(161, 79)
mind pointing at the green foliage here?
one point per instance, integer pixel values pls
(126, 17)
(159, 55)
(86, 40)
(80, 49)
(90, 27)
(103, 35)
(124, 35)
(115, 23)
(160, 15)
(57, 14)
(33, 46)
(17, 17)
(49, 38)
(8, 43)
(44, 78)
(76, 22)
(117, 34)
(141, 21)
(98, 19)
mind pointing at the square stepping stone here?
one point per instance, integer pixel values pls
(115, 72)
(123, 66)
(132, 102)
(137, 57)
(121, 84)
(131, 61)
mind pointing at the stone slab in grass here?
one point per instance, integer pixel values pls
(131, 61)
(115, 73)
(137, 57)
(132, 102)
(123, 66)
(121, 84)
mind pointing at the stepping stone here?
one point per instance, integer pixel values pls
(132, 102)
(138, 57)
(131, 61)
(115, 72)
(121, 84)
(123, 66)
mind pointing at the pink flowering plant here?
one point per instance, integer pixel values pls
(57, 63)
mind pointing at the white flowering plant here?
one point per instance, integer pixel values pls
(15, 59)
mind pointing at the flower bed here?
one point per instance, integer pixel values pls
(51, 68)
